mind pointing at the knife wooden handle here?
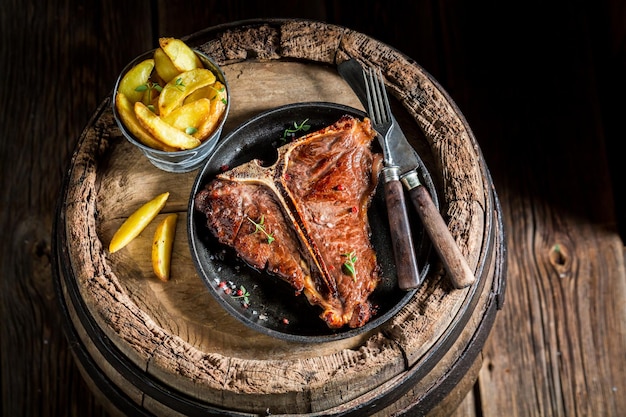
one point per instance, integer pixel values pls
(401, 237)
(453, 260)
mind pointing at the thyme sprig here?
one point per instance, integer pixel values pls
(219, 90)
(243, 294)
(260, 227)
(179, 84)
(224, 98)
(290, 132)
(349, 266)
(150, 87)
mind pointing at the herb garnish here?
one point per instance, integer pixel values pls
(349, 265)
(291, 132)
(231, 289)
(242, 293)
(221, 90)
(149, 87)
(191, 130)
(260, 226)
(179, 84)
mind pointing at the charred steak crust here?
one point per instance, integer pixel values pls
(304, 218)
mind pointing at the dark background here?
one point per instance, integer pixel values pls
(541, 83)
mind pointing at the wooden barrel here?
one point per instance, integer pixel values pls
(167, 348)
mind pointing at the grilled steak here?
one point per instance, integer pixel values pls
(305, 217)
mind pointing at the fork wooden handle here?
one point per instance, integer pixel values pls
(401, 236)
(453, 260)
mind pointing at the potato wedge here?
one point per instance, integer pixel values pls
(204, 92)
(218, 105)
(162, 247)
(190, 115)
(164, 66)
(126, 111)
(135, 77)
(175, 92)
(162, 131)
(136, 222)
(181, 55)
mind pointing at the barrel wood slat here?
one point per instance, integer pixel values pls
(181, 338)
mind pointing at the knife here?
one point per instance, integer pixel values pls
(442, 240)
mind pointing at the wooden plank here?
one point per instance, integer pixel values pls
(556, 346)
(58, 65)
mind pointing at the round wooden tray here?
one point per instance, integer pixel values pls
(167, 348)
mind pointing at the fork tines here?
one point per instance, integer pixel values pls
(377, 99)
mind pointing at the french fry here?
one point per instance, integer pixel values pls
(162, 246)
(135, 77)
(175, 92)
(125, 109)
(181, 55)
(136, 222)
(163, 131)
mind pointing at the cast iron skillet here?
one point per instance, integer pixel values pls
(271, 306)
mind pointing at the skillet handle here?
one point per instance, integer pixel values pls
(453, 260)
(401, 238)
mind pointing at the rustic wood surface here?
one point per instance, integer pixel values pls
(165, 328)
(536, 89)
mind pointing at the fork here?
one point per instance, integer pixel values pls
(383, 122)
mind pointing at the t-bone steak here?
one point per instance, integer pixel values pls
(305, 218)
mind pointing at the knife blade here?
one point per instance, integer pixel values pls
(403, 154)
